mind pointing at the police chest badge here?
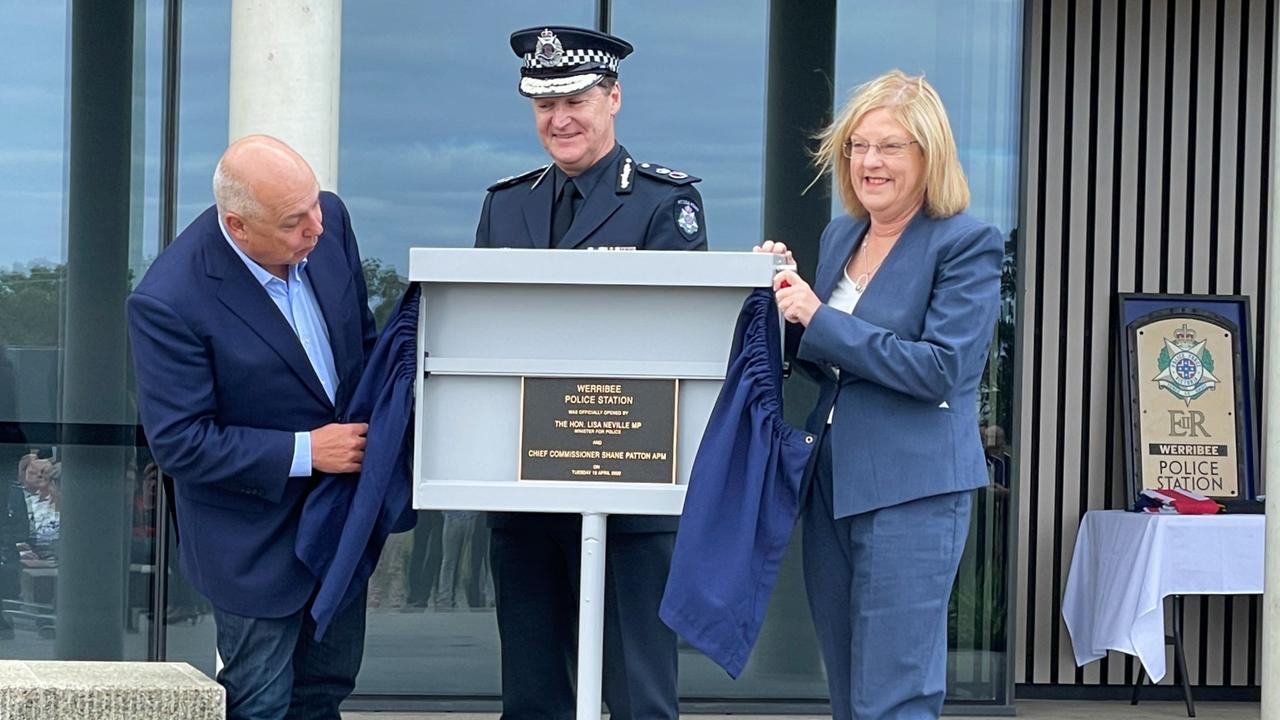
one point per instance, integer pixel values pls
(687, 218)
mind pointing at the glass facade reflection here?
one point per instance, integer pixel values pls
(698, 108)
(78, 526)
(429, 120)
(430, 117)
(971, 52)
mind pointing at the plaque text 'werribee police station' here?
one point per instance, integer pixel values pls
(598, 429)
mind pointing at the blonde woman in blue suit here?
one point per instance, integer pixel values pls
(895, 329)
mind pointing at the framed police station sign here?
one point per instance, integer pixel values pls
(1188, 395)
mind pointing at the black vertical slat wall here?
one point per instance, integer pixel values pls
(1147, 155)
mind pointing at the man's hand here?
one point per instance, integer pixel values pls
(338, 447)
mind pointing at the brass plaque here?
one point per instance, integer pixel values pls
(598, 430)
(1187, 412)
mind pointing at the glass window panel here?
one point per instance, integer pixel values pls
(693, 100)
(202, 136)
(970, 50)
(77, 556)
(32, 194)
(430, 119)
(203, 115)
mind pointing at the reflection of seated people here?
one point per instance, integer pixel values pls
(184, 604)
(997, 452)
(15, 531)
(40, 483)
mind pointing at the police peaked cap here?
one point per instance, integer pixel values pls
(561, 61)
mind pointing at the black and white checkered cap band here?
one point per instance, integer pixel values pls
(574, 57)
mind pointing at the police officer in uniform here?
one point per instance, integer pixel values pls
(592, 195)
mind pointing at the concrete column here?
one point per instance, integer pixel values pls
(286, 61)
(802, 58)
(95, 496)
(1271, 462)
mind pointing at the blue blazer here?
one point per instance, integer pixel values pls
(223, 385)
(910, 358)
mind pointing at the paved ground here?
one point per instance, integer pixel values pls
(1032, 709)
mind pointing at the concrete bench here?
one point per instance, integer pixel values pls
(37, 690)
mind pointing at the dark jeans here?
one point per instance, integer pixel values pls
(274, 668)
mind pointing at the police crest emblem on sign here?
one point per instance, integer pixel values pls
(1186, 366)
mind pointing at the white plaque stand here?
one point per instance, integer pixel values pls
(492, 316)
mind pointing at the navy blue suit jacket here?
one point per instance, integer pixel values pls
(223, 385)
(641, 210)
(910, 358)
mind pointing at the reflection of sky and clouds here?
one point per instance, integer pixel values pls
(431, 118)
(430, 113)
(694, 99)
(202, 118)
(971, 52)
(32, 95)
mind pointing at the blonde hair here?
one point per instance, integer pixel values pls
(917, 107)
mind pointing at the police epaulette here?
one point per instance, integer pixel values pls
(507, 182)
(658, 172)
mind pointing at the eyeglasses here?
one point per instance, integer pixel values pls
(860, 147)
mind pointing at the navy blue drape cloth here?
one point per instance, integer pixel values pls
(742, 501)
(346, 520)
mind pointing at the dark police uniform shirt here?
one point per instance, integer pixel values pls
(625, 204)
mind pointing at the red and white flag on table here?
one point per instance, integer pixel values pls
(1180, 502)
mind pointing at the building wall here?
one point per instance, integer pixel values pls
(1147, 136)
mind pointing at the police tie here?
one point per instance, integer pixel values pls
(562, 213)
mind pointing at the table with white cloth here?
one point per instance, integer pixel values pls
(1125, 564)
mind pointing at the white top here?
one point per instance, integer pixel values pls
(844, 298)
(846, 295)
(1125, 564)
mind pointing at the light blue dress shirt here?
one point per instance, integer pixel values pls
(298, 304)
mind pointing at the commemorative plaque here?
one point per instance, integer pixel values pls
(1186, 404)
(598, 429)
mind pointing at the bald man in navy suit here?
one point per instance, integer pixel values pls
(249, 334)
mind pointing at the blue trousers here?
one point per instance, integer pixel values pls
(878, 585)
(536, 577)
(273, 667)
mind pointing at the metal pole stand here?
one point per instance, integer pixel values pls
(591, 615)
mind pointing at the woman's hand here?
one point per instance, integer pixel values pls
(777, 248)
(794, 297)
